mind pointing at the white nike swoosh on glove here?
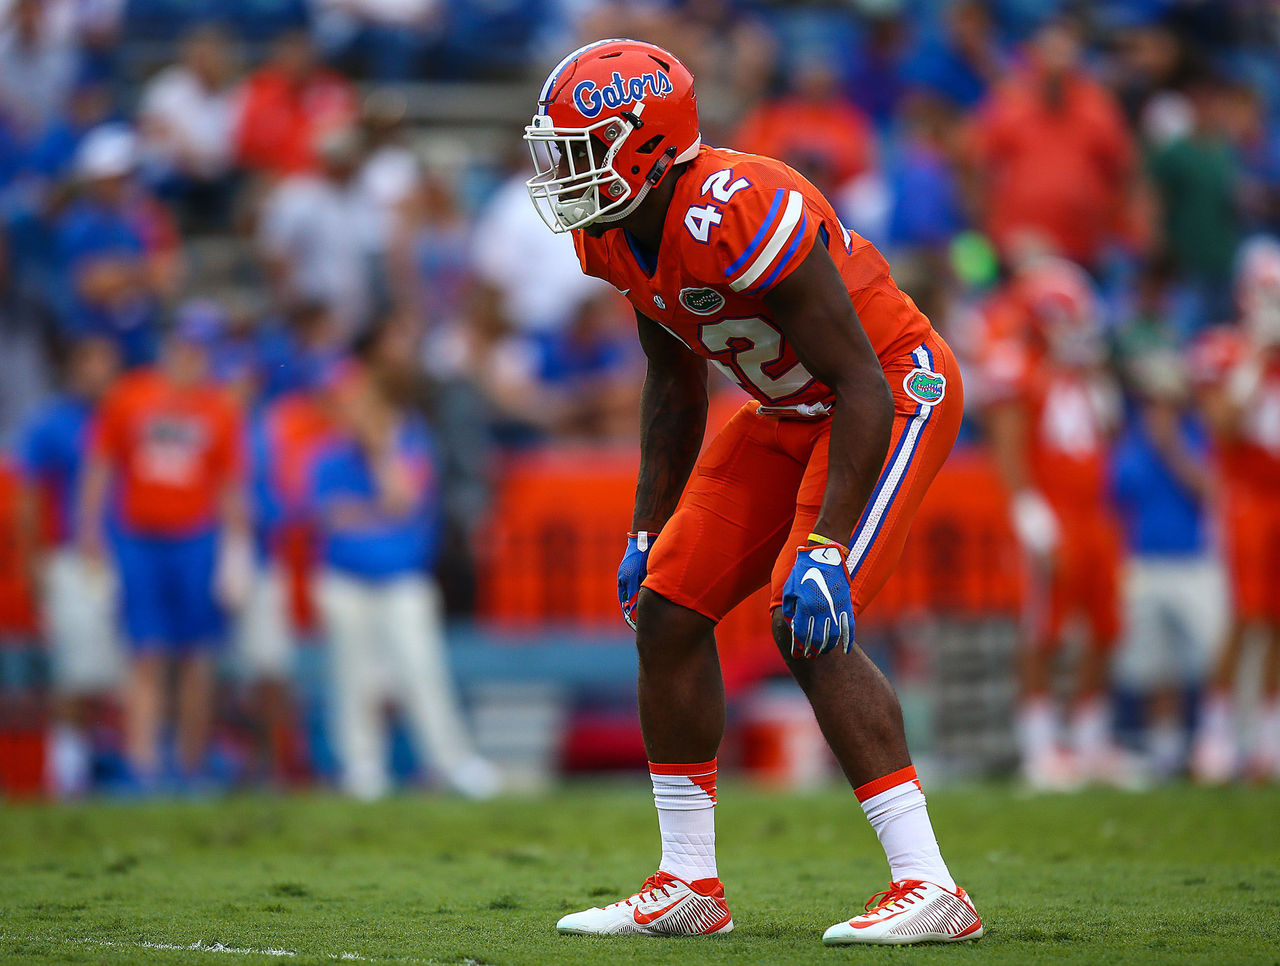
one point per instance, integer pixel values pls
(815, 575)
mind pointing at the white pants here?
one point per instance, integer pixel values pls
(264, 641)
(386, 640)
(79, 606)
(1176, 611)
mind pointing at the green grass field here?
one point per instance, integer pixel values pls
(1181, 875)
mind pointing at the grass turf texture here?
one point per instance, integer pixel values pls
(1179, 875)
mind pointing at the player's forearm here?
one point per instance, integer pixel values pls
(861, 426)
(1006, 431)
(673, 418)
(92, 505)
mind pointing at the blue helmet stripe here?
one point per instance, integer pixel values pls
(550, 84)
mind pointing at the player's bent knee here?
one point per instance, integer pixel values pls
(664, 627)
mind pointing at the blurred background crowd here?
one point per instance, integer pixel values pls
(306, 416)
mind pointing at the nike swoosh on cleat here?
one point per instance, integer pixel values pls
(815, 575)
(868, 925)
(643, 919)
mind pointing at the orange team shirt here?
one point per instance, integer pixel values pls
(830, 134)
(300, 427)
(1063, 172)
(281, 118)
(1068, 411)
(737, 225)
(173, 450)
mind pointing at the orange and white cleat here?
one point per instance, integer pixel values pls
(910, 911)
(664, 906)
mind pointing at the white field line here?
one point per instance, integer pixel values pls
(199, 946)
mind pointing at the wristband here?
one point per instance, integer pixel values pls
(825, 541)
(643, 538)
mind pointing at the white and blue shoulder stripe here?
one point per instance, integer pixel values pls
(772, 237)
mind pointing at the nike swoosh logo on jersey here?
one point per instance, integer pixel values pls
(815, 575)
(644, 919)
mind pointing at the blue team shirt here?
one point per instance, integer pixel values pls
(285, 364)
(927, 209)
(377, 547)
(1160, 516)
(51, 456)
(940, 68)
(93, 230)
(563, 360)
(54, 152)
(89, 230)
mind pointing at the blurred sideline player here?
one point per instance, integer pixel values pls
(77, 599)
(284, 438)
(168, 441)
(1240, 371)
(375, 490)
(1174, 591)
(810, 489)
(1050, 411)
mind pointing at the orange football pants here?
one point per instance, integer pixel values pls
(1251, 518)
(1084, 581)
(755, 494)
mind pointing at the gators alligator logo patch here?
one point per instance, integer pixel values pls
(925, 387)
(701, 301)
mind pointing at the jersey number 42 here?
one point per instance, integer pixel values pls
(721, 186)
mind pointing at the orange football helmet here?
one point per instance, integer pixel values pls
(613, 118)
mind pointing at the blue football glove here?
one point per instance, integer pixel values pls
(815, 602)
(631, 572)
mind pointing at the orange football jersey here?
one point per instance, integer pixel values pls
(173, 449)
(1069, 414)
(737, 225)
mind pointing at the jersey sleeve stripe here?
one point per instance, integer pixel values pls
(785, 259)
(760, 235)
(787, 224)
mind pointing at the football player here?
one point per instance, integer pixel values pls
(1239, 369)
(1050, 412)
(735, 260)
(86, 659)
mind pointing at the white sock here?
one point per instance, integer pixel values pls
(896, 809)
(1091, 728)
(686, 799)
(1037, 728)
(69, 760)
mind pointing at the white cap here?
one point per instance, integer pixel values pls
(108, 151)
